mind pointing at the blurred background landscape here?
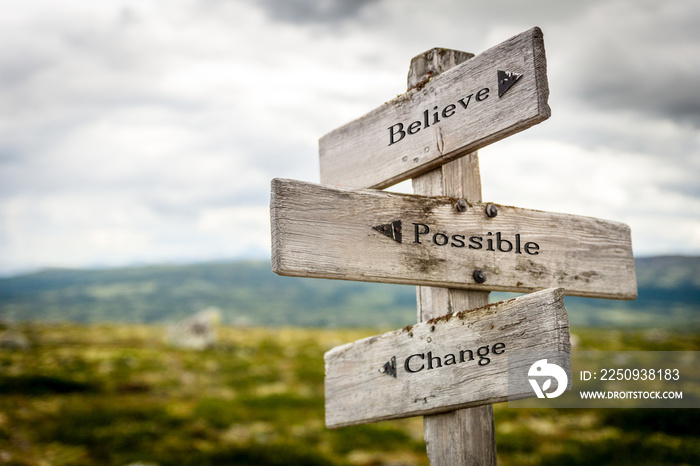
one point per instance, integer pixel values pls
(116, 394)
(137, 145)
(89, 372)
(248, 293)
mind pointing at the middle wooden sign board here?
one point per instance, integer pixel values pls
(376, 236)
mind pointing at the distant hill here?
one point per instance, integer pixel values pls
(248, 292)
(668, 296)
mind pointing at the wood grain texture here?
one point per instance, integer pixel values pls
(462, 437)
(465, 436)
(360, 155)
(433, 62)
(324, 232)
(358, 389)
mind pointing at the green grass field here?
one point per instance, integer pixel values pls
(117, 395)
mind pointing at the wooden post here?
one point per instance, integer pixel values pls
(467, 436)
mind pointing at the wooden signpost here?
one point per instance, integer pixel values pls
(451, 367)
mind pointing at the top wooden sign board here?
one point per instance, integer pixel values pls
(500, 92)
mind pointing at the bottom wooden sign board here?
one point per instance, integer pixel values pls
(456, 361)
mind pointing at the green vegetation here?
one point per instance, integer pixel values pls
(248, 292)
(115, 394)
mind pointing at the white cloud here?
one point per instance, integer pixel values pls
(133, 131)
(605, 183)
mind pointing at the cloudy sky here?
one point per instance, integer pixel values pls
(140, 131)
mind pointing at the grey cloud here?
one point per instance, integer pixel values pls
(640, 58)
(663, 90)
(16, 68)
(686, 187)
(313, 11)
(191, 208)
(533, 12)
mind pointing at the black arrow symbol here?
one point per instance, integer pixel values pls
(389, 367)
(392, 230)
(505, 80)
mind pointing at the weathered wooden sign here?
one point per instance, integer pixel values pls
(324, 232)
(460, 360)
(455, 361)
(495, 94)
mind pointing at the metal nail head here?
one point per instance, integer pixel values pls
(479, 276)
(491, 210)
(462, 205)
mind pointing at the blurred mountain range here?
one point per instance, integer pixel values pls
(249, 293)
